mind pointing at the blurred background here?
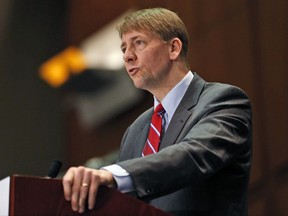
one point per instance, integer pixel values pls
(242, 42)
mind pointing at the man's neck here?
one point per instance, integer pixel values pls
(169, 83)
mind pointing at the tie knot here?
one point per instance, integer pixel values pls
(159, 108)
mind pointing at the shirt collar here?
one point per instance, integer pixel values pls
(173, 98)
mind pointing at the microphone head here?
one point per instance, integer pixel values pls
(54, 168)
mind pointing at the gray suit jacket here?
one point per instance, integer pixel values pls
(204, 161)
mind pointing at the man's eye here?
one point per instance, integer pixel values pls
(139, 42)
(123, 50)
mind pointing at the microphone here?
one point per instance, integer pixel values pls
(54, 168)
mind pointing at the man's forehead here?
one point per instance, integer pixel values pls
(133, 34)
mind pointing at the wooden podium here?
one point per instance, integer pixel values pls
(34, 196)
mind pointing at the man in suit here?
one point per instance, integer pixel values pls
(203, 162)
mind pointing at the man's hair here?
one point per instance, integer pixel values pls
(161, 21)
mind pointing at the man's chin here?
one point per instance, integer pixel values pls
(137, 84)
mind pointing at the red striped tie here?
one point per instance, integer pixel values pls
(154, 136)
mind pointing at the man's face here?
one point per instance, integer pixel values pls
(146, 58)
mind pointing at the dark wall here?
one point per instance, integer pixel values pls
(31, 123)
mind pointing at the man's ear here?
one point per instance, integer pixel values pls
(175, 48)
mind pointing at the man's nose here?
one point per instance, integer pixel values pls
(129, 55)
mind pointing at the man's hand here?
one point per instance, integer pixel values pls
(80, 183)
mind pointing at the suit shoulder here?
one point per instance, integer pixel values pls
(216, 88)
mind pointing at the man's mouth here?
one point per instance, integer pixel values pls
(133, 71)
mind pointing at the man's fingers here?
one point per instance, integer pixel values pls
(81, 186)
(77, 181)
(81, 207)
(84, 190)
(93, 193)
(67, 184)
(98, 177)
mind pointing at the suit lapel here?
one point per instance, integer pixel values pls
(143, 134)
(183, 111)
(176, 125)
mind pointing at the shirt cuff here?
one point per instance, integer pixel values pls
(122, 178)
